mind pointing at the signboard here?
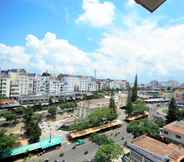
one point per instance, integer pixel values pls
(150, 5)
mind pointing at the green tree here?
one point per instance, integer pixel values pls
(100, 139)
(129, 106)
(10, 116)
(139, 107)
(108, 152)
(134, 90)
(50, 100)
(180, 114)
(96, 118)
(172, 111)
(19, 110)
(32, 129)
(144, 126)
(112, 104)
(34, 132)
(52, 111)
(6, 141)
(28, 113)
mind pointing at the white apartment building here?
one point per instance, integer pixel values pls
(4, 86)
(55, 86)
(174, 132)
(46, 84)
(76, 83)
(118, 84)
(19, 83)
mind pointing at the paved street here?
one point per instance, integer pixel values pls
(119, 135)
(70, 155)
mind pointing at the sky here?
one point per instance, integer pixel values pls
(118, 38)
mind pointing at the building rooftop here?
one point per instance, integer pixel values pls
(7, 101)
(177, 127)
(43, 144)
(174, 152)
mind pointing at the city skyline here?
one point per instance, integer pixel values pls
(119, 39)
(164, 83)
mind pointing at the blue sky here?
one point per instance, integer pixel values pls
(118, 38)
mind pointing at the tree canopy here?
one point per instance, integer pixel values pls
(172, 111)
(96, 118)
(52, 111)
(9, 116)
(134, 90)
(144, 126)
(6, 141)
(129, 105)
(108, 152)
(100, 139)
(32, 129)
(112, 104)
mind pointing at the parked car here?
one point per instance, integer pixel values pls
(79, 142)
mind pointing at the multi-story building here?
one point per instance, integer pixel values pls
(147, 149)
(170, 84)
(55, 86)
(77, 83)
(46, 84)
(103, 84)
(174, 132)
(118, 84)
(179, 95)
(154, 84)
(19, 82)
(4, 86)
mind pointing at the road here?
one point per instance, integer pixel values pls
(70, 155)
(118, 135)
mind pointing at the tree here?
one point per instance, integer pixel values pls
(19, 110)
(129, 106)
(35, 132)
(10, 116)
(52, 111)
(28, 113)
(100, 139)
(112, 104)
(108, 152)
(139, 107)
(134, 90)
(50, 100)
(144, 126)
(6, 141)
(96, 118)
(180, 114)
(172, 111)
(32, 129)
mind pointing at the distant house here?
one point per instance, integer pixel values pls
(8, 103)
(179, 95)
(147, 149)
(174, 132)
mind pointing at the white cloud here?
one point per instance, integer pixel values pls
(10, 56)
(146, 48)
(96, 13)
(131, 3)
(151, 50)
(48, 53)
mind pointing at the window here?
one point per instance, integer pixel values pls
(177, 136)
(165, 132)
